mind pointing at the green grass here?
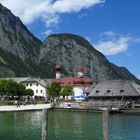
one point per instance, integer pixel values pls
(6, 102)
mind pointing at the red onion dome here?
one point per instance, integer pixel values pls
(80, 69)
(58, 67)
(88, 81)
(78, 80)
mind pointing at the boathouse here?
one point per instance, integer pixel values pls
(114, 92)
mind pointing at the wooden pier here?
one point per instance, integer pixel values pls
(105, 124)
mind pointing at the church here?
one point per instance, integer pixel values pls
(80, 83)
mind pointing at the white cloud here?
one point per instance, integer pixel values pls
(113, 45)
(51, 20)
(139, 76)
(29, 10)
(48, 32)
(109, 33)
(48, 10)
(64, 6)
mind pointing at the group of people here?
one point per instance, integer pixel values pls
(17, 102)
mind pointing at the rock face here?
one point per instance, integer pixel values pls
(21, 54)
(18, 47)
(71, 50)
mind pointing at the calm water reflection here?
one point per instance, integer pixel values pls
(68, 126)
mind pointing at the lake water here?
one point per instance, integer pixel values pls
(68, 126)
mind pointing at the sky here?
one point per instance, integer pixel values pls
(111, 26)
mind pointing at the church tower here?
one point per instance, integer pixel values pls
(58, 71)
(80, 71)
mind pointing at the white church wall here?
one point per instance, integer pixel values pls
(78, 92)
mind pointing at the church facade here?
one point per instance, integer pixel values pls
(80, 83)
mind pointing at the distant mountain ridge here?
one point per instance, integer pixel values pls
(22, 54)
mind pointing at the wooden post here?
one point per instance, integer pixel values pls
(105, 124)
(44, 124)
(133, 104)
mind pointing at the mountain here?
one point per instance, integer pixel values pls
(72, 50)
(19, 49)
(22, 54)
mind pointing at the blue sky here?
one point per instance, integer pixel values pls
(112, 26)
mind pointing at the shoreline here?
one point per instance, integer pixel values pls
(135, 110)
(24, 107)
(36, 107)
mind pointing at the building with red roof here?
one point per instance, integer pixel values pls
(80, 83)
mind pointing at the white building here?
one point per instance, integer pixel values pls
(38, 86)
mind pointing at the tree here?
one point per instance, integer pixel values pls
(54, 90)
(20, 89)
(11, 88)
(3, 87)
(29, 92)
(7, 87)
(67, 91)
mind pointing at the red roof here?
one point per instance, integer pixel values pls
(87, 80)
(74, 81)
(78, 80)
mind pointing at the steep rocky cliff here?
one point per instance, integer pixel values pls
(71, 50)
(17, 44)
